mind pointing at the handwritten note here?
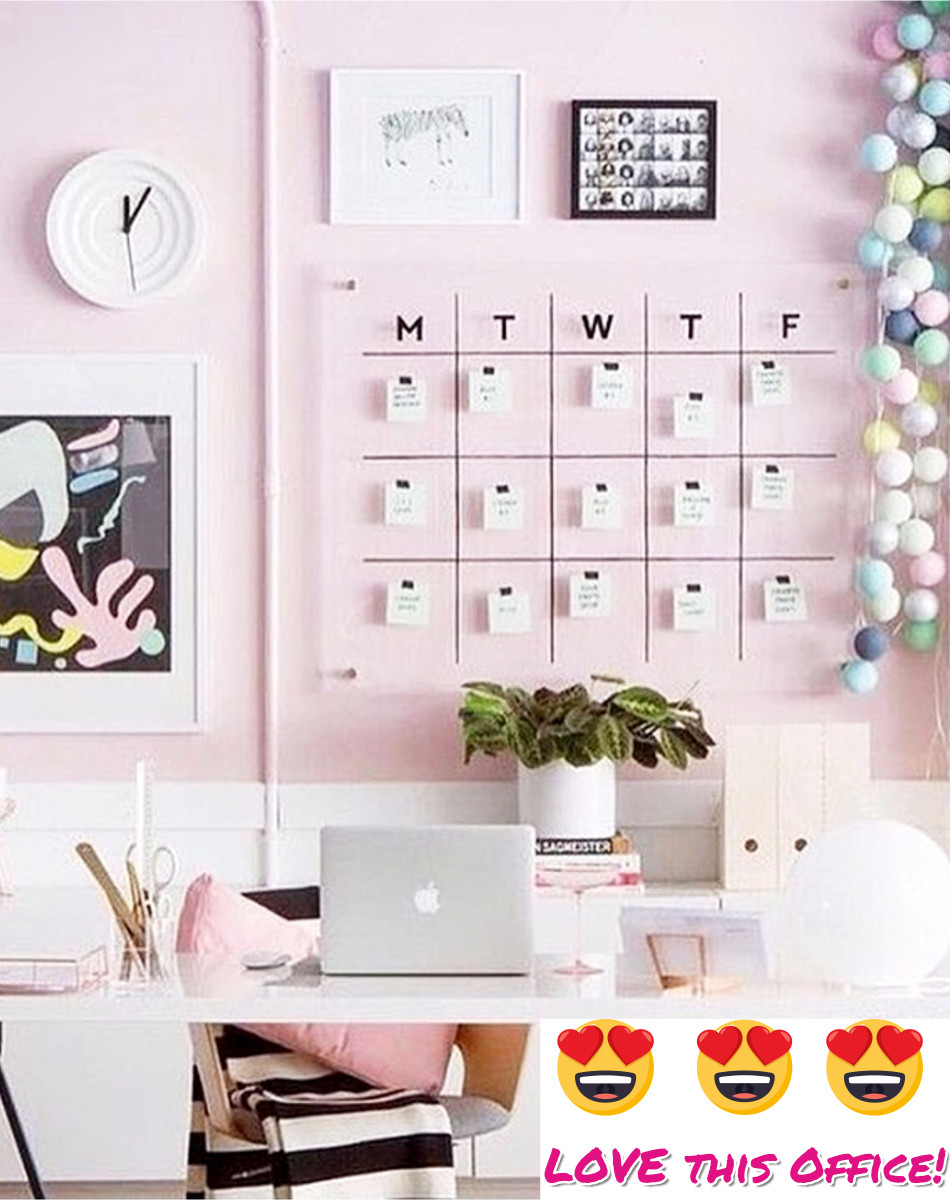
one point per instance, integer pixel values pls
(600, 507)
(489, 390)
(503, 507)
(589, 595)
(773, 487)
(407, 603)
(405, 398)
(611, 385)
(694, 505)
(784, 600)
(694, 607)
(509, 611)
(404, 503)
(771, 384)
(693, 415)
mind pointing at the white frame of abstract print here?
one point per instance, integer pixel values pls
(137, 701)
(352, 87)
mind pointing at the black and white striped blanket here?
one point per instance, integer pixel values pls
(324, 1133)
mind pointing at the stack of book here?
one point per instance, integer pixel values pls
(614, 857)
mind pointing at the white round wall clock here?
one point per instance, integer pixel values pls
(123, 228)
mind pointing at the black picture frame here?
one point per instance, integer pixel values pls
(643, 160)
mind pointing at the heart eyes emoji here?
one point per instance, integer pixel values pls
(766, 1044)
(897, 1044)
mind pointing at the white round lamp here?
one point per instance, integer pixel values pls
(868, 905)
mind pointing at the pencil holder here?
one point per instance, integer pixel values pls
(145, 960)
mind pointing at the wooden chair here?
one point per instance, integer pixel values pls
(492, 1057)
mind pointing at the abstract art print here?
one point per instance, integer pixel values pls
(425, 146)
(643, 159)
(98, 608)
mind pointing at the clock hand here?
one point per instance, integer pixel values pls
(127, 218)
(132, 217)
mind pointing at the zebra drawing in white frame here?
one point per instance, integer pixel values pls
(402, 125)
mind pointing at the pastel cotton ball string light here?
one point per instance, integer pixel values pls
(885, 45)
(926, 501)
(859, 676)
(873, 251)
(881, 435)
(925, 235)
(919, 419)
(879, 152)
(918, 271)
(933, 166)
(919, 131)
(928, 569)
(921, 635)
(902, 326)
(886, 606)
(881, 363)
(874, 576)
(894, 292)
(882, 537)
(931, 307)
(894, 222)
(934, 97)
(930, 464)
(902, 389)
(921, 604)
(916, 537)
(900, 82)
(935, 205)
(931, 348)
(893, 468)
(915, 31)
(893, 506)
(871, 643)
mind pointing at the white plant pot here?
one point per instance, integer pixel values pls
(564, 801)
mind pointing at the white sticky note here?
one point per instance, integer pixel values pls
(489, 390)
(600, 506)
(589, 595)
(405, 503)
(405, 398)
(784, 599)
(611, 385)
(693, 415)
(407, 603)
(509, 611)
(694, 607)
(694, 505)
(773, 487)
(503, 507)
(771, 384)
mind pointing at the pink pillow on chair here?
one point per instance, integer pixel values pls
(217, 920)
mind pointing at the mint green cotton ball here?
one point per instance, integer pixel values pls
(920, 635)
(881, 363)
(931, 347)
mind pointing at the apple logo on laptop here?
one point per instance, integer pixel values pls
(427, 899)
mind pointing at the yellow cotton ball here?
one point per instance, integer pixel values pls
(881, 435)
(906, 185)
(936, 205)
(929, 392)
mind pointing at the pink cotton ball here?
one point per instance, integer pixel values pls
(932, 308)
(937, 64)
(927, 570)
(885, 45)
(902, 389)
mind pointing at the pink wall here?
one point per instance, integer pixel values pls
(796, 91)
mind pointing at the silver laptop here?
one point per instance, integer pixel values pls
(426, 899)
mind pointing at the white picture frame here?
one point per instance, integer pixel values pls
(426, 146)
(130, 696)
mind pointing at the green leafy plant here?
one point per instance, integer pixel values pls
(571, 725)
